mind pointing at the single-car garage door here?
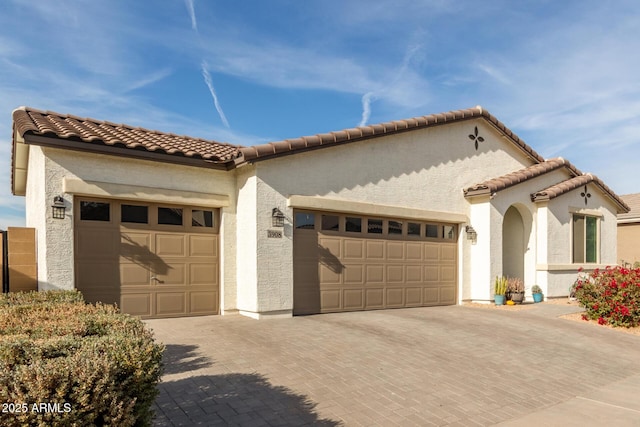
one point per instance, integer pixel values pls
(153, 260)
(345, 262)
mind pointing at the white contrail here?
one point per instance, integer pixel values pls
(366, 108)
(192, 13)
(207, 80)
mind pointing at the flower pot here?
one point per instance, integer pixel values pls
(537, 297)
(499, 299)
(517, 297)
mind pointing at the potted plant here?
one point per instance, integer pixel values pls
(536, 291)
(515, 290)
(499, 290)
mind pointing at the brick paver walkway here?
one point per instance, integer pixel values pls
(422, 366)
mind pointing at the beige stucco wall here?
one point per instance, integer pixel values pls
(425, 169)
(629, 242)
(38, 215)
(49, 169)
(558, 273)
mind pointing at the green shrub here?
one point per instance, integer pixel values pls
(610, 296)
(99, 366)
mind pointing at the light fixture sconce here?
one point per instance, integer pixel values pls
(58, 208)
(471, 233)
(277, 218)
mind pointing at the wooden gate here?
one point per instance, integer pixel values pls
(18, 260)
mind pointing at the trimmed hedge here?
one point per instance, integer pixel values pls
(79, 364)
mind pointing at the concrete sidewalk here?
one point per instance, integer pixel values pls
(452, 366)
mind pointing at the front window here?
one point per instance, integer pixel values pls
(585, 239)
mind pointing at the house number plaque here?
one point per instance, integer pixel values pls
(274, 234)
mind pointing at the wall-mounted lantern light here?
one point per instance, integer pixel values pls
(58, 207)
(471, 233)
(277, 218)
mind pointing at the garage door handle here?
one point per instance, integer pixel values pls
(154, 278)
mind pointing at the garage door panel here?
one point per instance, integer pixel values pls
(137, 304)
(170, 245)
(203, 246)
(203, 302)
(395, 273)
(395, 251)
(413, 297)
(97, 273)
(330, 246)
(354, 274)
(329, 275)
(353, 249)
(448, 253)
(374, 249)
(203, 274)
(374, 298)
(330, 299)
(431, 296)
(448, 273)
(394, 297)
(414, 273)
(431, 252)
(307, 300)
(108, 295)
(175, 275)
(135, 274)
(353, 299)
(414, 251)
(171, 303)
(374, 273)
(431, 273)
(447, 295)
(97, 243)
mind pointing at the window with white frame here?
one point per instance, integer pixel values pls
(586, 242)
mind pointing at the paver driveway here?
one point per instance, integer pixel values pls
(421, 366)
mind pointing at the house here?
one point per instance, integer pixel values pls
(629, 231)
(418, 212)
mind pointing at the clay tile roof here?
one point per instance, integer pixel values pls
(496, 184)
(571, 184)
(265, 151)
(633, 201)
(29, 121)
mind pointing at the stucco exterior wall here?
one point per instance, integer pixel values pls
(57, 257)
(247, 260)
(37, 211)
(559, 269)
(424, 169)
(629, 242)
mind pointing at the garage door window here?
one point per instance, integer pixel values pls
(395, 227)
(170, 216)
(330, 222)
(305, 221)
(202, 218)
(432, 231)
(95, 211)
(449, 232)
(413, 229)
(374, 226)
(353, 225)
(134, 214)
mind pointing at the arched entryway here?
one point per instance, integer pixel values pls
(514, 243)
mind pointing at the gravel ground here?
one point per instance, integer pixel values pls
(560, 301)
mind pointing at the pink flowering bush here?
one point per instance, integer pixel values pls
(610, 296)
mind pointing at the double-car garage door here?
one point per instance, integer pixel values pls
(153, 260)
(345, 262)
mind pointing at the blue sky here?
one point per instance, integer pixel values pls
(563, 75)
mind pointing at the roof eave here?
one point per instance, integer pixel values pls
(70, 144)
(19, 164)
